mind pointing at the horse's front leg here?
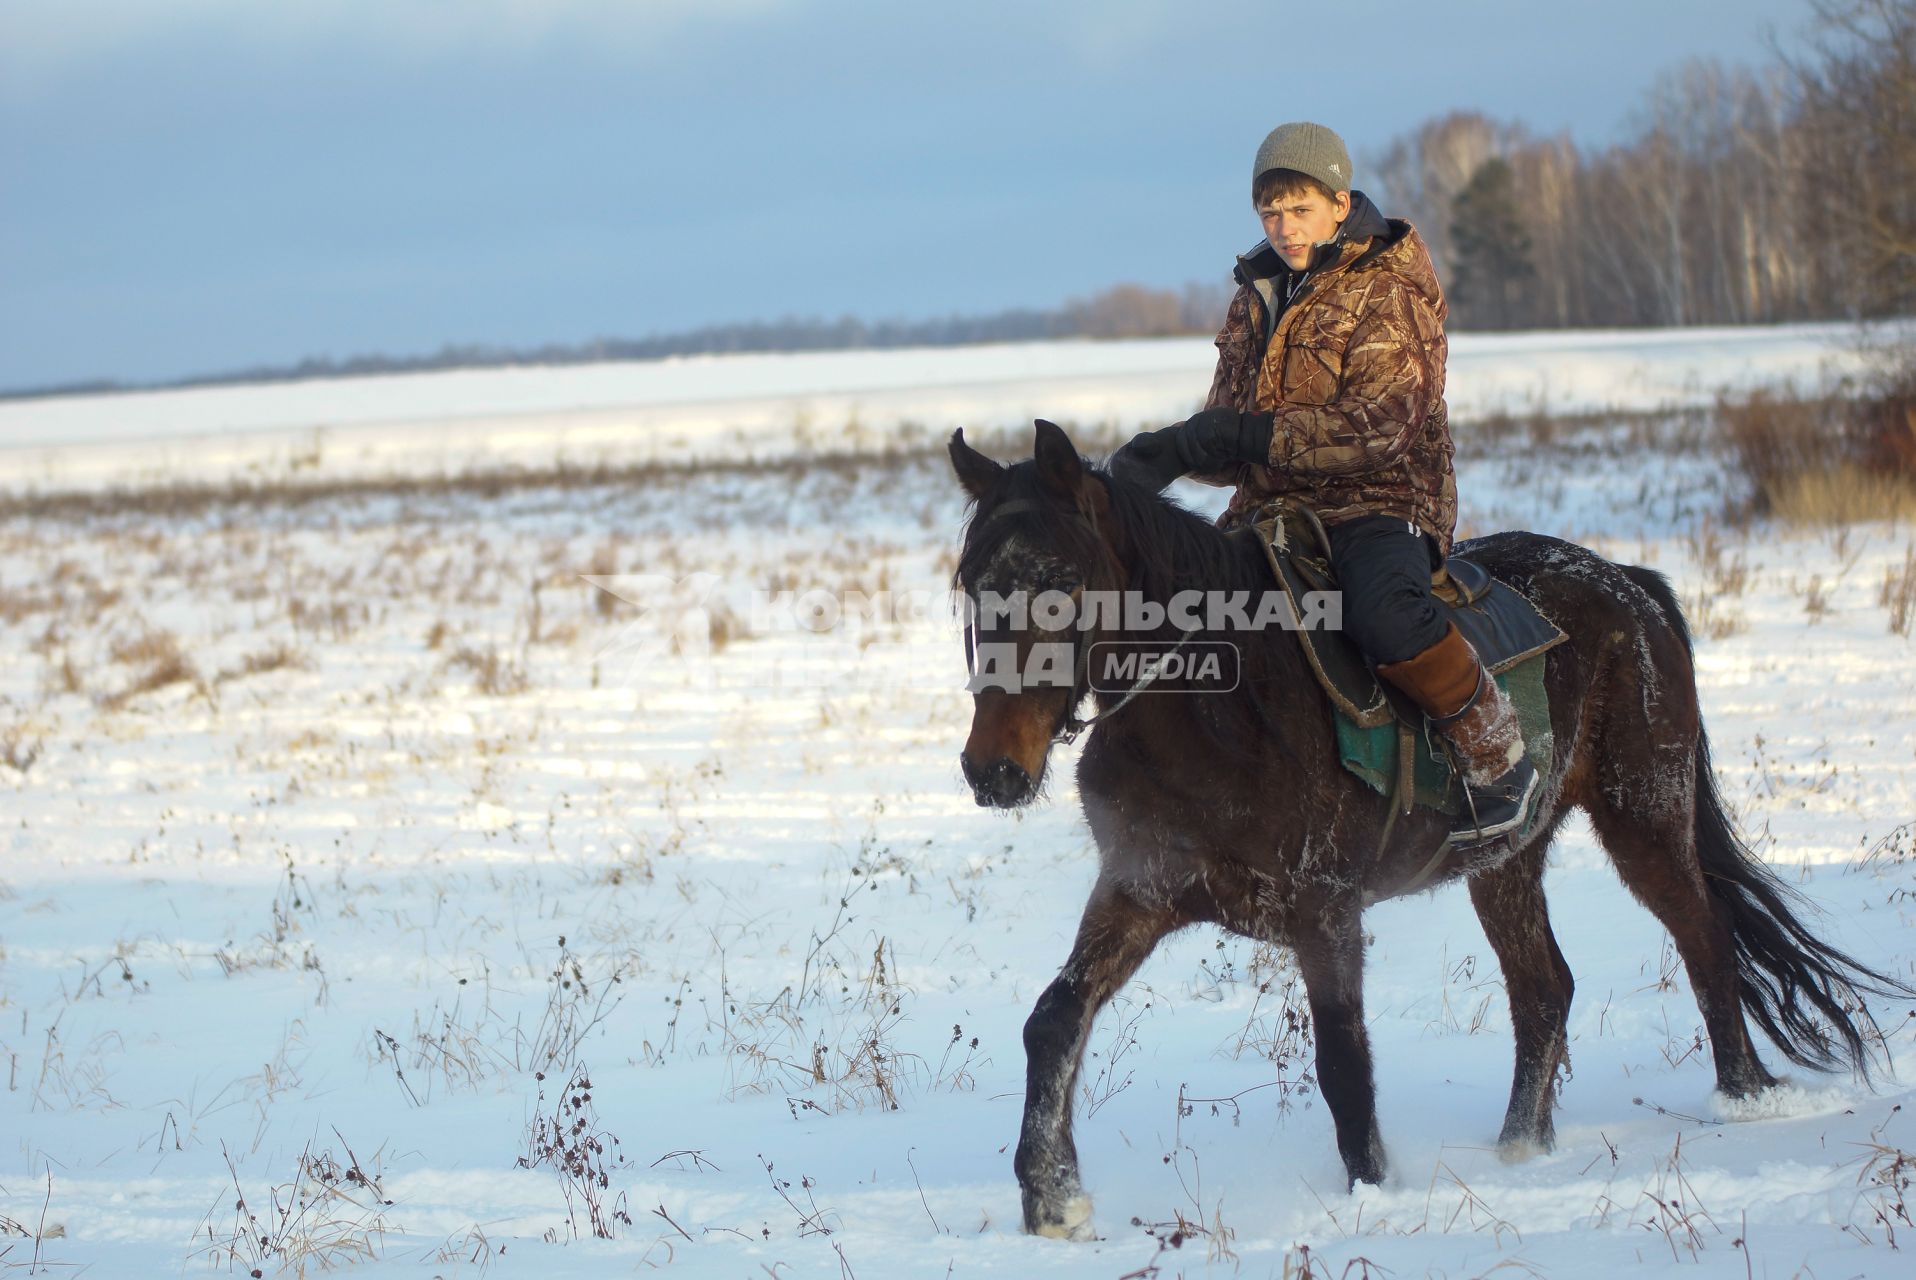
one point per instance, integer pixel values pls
(1330, 955)
(1115, 936)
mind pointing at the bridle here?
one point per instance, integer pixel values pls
(1072, 724)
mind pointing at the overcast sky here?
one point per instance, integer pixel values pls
(195, 185)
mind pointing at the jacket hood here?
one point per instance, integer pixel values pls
(1362, 223)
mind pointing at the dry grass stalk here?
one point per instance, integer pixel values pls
(569, 1141)
(1840, 458)
(327, 1215)
(166, 665)
(1899, 593)
(493, 674)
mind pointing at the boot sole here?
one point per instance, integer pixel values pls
(1476, 836)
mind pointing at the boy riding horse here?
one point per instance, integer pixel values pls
(1329, 393)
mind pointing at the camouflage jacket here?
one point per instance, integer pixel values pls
(1353, 372)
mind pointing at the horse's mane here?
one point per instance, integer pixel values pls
(1170, 550)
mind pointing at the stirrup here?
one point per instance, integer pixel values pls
(1499, 809)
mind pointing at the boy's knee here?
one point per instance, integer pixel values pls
(1396, 627)
(1383, 565)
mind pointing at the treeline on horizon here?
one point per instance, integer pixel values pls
(1123, 311)
(1741, 196)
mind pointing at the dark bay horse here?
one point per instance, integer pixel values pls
(1232, 809)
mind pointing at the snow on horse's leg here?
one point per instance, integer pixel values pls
(1783, 1100)
(1072, 1223)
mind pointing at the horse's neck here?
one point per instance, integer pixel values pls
(1234, 565)
(1230, 562)
(1226, 563)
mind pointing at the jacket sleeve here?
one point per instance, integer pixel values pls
(1387, 391)
(1231, 342)
(1235, 361)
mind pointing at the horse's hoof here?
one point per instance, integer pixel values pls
(1748, 1086)
(1783, 1100)
(1518, 1150)
(1368, 1168)
(1072, 1221)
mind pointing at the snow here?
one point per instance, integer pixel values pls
(310, 901)
(761, 406)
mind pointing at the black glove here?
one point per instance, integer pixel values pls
(1207, 441)
(1150, 459)
(1217, 438)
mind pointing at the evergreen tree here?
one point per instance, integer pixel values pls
(1491, 264)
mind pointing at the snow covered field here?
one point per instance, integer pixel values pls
(328, 828)
(768, 406)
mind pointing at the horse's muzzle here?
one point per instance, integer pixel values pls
(1002, 784)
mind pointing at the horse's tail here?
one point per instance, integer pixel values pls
(1806, 995)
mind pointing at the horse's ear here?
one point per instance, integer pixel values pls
(1059, 466)
(977, 473)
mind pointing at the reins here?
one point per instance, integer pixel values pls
(1072, 725)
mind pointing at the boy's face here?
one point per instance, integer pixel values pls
(1296, 222)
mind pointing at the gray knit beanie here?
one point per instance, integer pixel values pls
(1310, 149)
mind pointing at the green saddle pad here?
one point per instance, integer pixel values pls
(1371, 754)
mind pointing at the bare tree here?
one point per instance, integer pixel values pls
(1786, 192)
(1855, 105)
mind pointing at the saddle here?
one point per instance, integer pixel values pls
(1382, 737)
(1501, 624)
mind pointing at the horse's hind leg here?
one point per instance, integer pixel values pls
(1510, 904)
(1654, 803)
(1643, 803)
(1114, 938)
(1654, 851)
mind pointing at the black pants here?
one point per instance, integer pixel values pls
(1384, 564)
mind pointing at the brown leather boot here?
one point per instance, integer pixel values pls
(1468, 707)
